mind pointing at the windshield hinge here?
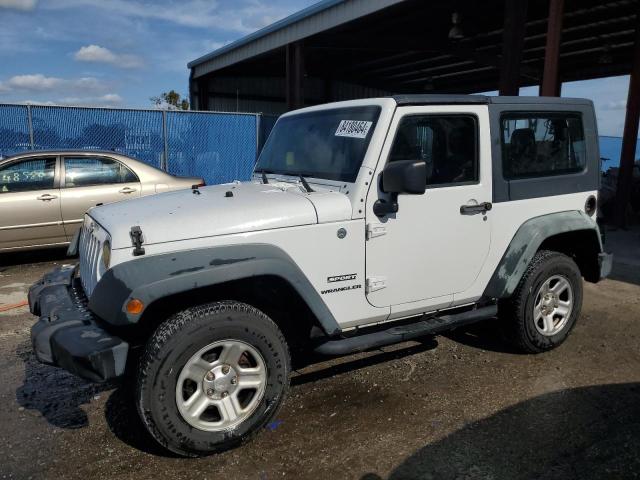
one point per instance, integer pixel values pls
(375, 230)
(375, 283)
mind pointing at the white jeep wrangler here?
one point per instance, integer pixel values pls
(366, 223)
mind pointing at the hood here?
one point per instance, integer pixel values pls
(219, 210)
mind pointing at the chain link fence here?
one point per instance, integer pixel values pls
(220, 147)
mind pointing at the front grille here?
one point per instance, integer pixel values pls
(89, 251)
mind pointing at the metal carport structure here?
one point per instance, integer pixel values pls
(344, 49)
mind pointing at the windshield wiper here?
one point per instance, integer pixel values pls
(305, 184)
(301, 176)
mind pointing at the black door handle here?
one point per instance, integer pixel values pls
(480, 208)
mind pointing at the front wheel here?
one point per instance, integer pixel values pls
(211, 377)
(546, 304)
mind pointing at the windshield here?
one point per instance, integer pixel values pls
(328, 144)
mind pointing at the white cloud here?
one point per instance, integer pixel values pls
(98, 54)
(25, 5)
(40, 83)
(109, 99)
(35, 82)
(95, 53)
(614, 105)
(38, 102)
(88, 83)
(243, 17)
(211, 45)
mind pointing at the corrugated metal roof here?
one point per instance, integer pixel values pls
(314, 19)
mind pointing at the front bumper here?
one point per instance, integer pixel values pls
(605, 261)
(67, 334)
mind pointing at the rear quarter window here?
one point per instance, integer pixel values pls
(540, 144)
(88, 171)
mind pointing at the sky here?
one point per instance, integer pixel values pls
(119, 53)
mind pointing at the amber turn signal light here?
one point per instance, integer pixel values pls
(134, 306)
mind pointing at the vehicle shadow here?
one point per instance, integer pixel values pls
(625, 246)
(125, 423)
(331, 369)
(485, 335)
(625, 273)
(582, 433)
(34, 256)
(55, 393)
(58, 396)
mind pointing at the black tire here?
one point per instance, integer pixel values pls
(175, 341)
(516, 313)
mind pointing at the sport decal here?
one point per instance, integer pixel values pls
(341, 278)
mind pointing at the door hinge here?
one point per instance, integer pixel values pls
(375, 283)
(375, 230)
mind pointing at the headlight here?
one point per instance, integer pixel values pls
(106, 254)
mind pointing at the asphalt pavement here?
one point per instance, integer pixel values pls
(461, 406)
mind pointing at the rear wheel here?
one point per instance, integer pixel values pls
(211, 377)
(546, 304)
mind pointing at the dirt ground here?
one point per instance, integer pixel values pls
(460, 406)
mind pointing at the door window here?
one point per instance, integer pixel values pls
(448, 144)
(27, 175)
(542, 144)
(87, 171)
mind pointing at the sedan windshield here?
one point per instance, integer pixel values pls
(328, 144)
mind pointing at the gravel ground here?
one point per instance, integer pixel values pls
(460, 406)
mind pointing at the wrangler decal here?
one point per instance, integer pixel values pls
(341, 289)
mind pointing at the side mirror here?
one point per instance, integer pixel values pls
(405, 176)
(402, 176)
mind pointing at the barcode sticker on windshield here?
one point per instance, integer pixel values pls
(353, 128)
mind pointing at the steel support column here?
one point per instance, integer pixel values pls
(164, 163)
(30, 120)
(192, 94)
(203, 94)
(515, 18)
(551, 83)
(629, 135)
(295, 75)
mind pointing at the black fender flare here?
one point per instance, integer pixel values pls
(527, 241)
(153, 277)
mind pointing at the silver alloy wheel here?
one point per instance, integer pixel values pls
(553, 305)
(221, 385)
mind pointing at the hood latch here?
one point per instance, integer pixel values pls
(137, 240)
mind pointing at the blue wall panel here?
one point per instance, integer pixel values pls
(137, 133)
(220, 147)
(14, 130)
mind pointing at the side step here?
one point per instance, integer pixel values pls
(402, 333)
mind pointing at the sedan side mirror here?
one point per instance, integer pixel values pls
(401, 176)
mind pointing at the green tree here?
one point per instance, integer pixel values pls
(171, 100)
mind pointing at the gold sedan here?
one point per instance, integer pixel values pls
(44, 194)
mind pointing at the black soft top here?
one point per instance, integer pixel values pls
(448, 99)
